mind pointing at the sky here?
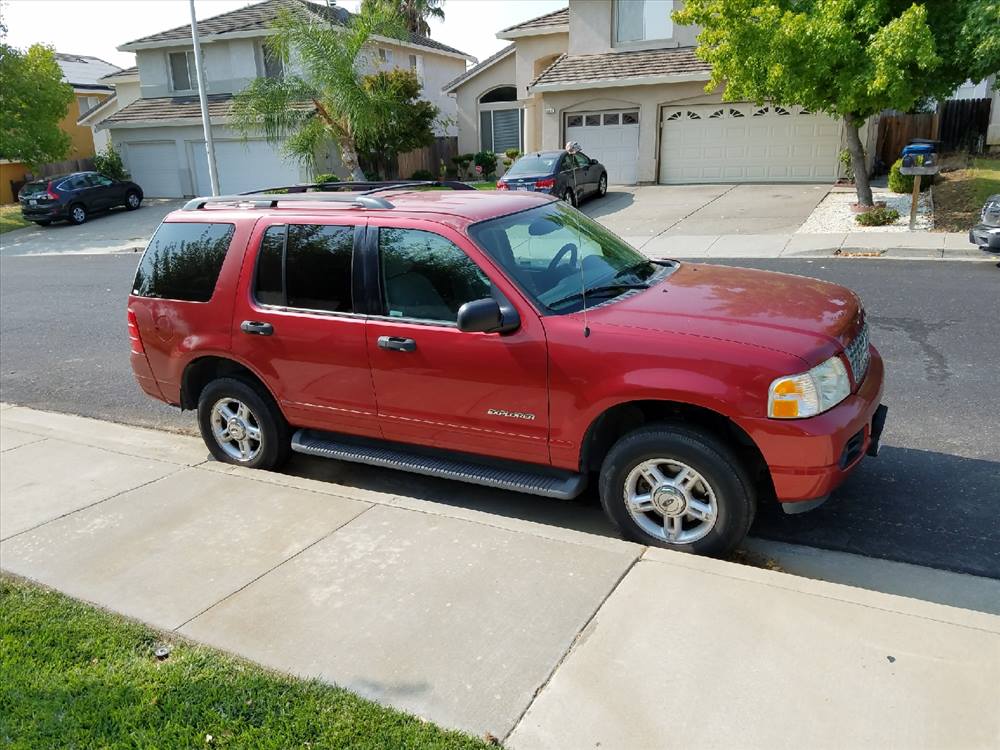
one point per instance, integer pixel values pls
(97, 27)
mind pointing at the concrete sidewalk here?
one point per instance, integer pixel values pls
(544, 636)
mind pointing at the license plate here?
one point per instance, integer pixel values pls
(522, 187)
(32, 202)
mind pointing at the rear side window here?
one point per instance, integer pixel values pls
(183, 261)
(307, 266)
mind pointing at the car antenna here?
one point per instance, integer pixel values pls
(583, 292)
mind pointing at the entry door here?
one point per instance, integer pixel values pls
(294, 324)
(436, 386)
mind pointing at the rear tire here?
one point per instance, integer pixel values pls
(569, 196)
(77, 214)
(132, 200)
(674, 486)
(242, 425)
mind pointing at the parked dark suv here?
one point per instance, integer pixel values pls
(986, 234)
(75, 196)
(508, 340)
(569, 176)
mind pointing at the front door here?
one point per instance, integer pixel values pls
(436, 386)
(295, 323)
(103, 191)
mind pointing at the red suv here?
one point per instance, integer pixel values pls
(510, 341)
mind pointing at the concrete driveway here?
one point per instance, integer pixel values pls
(116, 231)
(639, 214)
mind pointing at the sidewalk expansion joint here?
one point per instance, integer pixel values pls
(254, 580)
(572, 645)
(97, 502)
(663, 231)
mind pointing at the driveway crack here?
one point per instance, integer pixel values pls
(663, 231)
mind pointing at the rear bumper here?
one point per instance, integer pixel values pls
(809, 458)
(985, 237)
(144, 376)
(43, 213)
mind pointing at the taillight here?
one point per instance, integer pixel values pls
(545, 184)
(501, 185)
(48, 191)
(133, 334)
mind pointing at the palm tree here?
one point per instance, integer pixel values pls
(329, 99)
(414, 12)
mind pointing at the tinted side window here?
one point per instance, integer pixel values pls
(427, 277)
(306, 266)
(183, 261)
(581, 159)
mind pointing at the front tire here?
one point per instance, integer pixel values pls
(677, 487)
(602, 186)
(241, 424)
(132, 200)
(77, 214)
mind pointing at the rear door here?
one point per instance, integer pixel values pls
(295, 323)
(483, 393)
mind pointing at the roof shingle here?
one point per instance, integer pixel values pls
(178, 107)
(259, 17)
(609, 66)
(555, 18)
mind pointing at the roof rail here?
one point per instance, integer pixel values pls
(272, 200)
(362, 187)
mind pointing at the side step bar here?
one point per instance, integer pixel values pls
(552, 483)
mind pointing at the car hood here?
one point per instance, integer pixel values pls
(796, 315)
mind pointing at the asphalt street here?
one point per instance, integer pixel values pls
(932, 497)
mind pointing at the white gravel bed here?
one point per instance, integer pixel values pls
(833, 214)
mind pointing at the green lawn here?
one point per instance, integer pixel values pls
(10, 218)
(73, 676)
(484, 185)
(960, 195)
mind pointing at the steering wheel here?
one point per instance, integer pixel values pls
(568, 248)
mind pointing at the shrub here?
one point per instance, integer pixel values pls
(109, 163)
(512, 154)
(903, 183)
(422, 174)
(488, 161)
(878, 217)
(327, 177)
(848, 164)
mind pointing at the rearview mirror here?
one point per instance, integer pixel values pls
(487, 316)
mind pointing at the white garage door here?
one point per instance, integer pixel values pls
(739, 142)
(243, 166)
(154, 167)
(611, 137)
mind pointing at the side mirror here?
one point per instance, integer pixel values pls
(593, 162)
(487, 316)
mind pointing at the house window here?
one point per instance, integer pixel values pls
(417, 66)
(182, 71)
(86, 103)
(643, 21)
(272, 65)
(385, 56)
(501, 120)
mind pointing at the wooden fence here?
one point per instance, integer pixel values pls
(957, 125)
(429, 157)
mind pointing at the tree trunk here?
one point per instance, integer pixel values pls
(861, 183)
(349, 158)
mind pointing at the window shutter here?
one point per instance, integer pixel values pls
(486, 131)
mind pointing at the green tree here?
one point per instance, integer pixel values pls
(331, 58)
(848, 58)
(33, 101)
(414, 12)
(406, 124)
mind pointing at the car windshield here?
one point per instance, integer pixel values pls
(563, 259)
(534, 164)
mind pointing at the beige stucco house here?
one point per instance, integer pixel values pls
(621, 78)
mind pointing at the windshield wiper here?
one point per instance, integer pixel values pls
(598, 290)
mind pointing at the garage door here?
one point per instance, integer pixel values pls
(738, 142)
(154, 167)
(611, 137)
(243, 166)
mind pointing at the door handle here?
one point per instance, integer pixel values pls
(396, 343)
(256, 328)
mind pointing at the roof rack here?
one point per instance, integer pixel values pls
(323, 192)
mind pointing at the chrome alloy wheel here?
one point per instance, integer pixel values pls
(79, 214)
(236, 429)
(133, 200)
(670, 501)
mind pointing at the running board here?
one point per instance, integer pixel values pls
(552, 483)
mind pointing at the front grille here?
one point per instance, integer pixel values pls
(858, 354)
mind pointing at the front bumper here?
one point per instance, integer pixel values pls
(809, 458)
(985, 237)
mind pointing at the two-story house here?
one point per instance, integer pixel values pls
(621, 78)
(155, 120)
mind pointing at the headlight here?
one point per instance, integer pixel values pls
(810, 393)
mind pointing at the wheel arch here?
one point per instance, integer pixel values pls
(202, 370)
(622, 418)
